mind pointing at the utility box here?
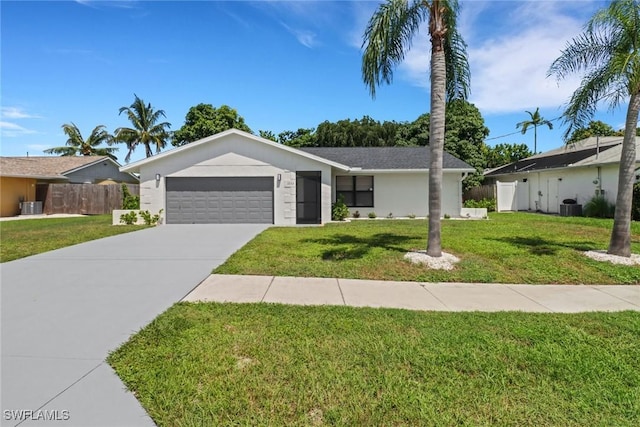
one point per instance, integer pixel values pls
(30, 208)
(570, 210)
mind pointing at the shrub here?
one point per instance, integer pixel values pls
(129, 218)
(339, 211)
(356, 214)
(412, 216)
(635, 206)
(129, 201)
(372, 215)
(390, 216)
(447, 216)
(150, 219)
(490, 204)
(599, 207)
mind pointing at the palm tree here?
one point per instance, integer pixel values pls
(608, 51)
(536, 120)
(388, 36)
(77, 145)
(146, 129)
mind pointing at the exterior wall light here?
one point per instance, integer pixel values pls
(279, 177)
(157, 177)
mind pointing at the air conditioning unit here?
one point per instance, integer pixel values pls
(570, 210)
(30, 208)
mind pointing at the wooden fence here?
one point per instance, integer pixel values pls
(86, 199)
(480, 192)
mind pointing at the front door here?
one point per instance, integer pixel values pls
(308, 200)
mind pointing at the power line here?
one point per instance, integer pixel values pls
(516, 132)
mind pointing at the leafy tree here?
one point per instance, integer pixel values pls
(300, 138)
(535, 120)
(77, 145)
(365, 132)
(465, 133)
(595, 128)
(415, 132)
(608, 52)
(267, 134)
(146, 130)
(503, 154)
(387, 37)
(204, 120)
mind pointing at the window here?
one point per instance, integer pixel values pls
(356, 190)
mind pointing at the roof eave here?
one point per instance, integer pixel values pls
(49, 177)
(422, 170)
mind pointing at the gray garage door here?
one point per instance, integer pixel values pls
(228, 200)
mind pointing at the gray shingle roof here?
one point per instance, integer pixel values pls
(372, 158)
(44, 167)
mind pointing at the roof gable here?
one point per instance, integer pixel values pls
(135, 166)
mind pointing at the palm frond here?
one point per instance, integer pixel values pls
(457, 61)
(63, 151)
(387, 38)
(146, 130)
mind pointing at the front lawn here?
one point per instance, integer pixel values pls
(22, 238)
(257, 364)
(507, 248)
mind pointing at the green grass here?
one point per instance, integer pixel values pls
(22, 238)
(272, 365)
(508, 248)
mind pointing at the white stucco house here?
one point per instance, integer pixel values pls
(238, 177)
(577, 171)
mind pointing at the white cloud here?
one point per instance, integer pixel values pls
(510, 46)
(10, 130)
(124, 4)
(305, 37)
(16, 113)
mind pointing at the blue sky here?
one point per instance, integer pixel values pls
(282, 65)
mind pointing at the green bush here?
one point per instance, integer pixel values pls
(490, 204)
(150, 219)
(129, 218)
(635, 206)
(372, 215)
(599, 207)
(129, 201)
(339, 211)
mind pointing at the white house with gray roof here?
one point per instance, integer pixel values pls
(238, 177)
(576, 171)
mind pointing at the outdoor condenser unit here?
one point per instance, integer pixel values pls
(30, 208)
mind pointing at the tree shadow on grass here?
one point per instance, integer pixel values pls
(540, 246)
(346, 247)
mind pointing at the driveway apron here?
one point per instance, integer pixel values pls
(65, 310)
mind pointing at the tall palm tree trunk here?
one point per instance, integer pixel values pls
(436, 147)
(620, 243)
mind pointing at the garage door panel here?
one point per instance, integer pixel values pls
(219, 200)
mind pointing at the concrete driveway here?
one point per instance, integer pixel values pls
(65, 310)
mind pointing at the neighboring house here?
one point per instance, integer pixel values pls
(237, 177)
(26, 179)
(577, 171)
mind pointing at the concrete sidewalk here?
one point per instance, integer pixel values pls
(418, 296)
